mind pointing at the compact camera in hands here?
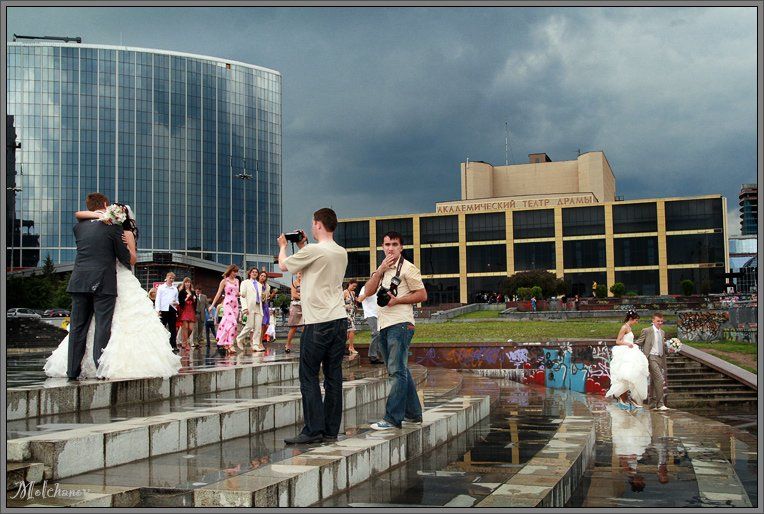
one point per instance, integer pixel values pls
(382, 297)
(295, 236)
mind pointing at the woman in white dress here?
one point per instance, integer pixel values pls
(139, 345)
(629, 372)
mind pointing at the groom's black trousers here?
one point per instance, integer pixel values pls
(84, 307)
(169, 320)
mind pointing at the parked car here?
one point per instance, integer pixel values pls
(56, 313)
(20, 312)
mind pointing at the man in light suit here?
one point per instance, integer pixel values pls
(251, 293)
(652, 340)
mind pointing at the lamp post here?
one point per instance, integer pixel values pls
(244, 176)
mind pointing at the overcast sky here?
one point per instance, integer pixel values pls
(380, 105)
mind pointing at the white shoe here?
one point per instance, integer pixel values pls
(663, 407)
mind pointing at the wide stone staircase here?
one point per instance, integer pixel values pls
(693, 384)
(213, 436)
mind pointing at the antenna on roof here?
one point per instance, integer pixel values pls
(506, 143)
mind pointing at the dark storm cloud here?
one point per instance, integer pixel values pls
(381, 105)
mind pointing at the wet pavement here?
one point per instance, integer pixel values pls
(469, 467)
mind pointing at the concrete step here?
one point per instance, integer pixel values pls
(23, 473)
(701, 380)
(697, 375)
(79, 450)
(709, 388)
(326, 470)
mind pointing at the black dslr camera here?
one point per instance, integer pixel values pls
(295, 236)
(382, 297)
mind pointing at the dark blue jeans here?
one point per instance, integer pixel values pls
(403, 401)
(322, 345)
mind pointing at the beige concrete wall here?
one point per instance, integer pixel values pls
(530, 179)
(478, 179)
(595, 175)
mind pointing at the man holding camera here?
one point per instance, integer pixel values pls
(323, 338)
(399, 286)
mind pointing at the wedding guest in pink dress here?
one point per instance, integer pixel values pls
(229, 287)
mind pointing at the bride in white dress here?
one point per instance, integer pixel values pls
(629, 371)
(139, 345)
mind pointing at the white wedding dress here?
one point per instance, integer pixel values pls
(628, 371)
(139, 346)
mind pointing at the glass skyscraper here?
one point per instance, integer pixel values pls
(192, 143)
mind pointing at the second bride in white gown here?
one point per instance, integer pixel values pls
(629, 372)
(139, 345)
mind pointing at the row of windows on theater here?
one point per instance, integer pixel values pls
(576, 221)
(644, 282)
(577, 254)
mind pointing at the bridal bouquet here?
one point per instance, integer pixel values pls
(114, 214)
(673, 345)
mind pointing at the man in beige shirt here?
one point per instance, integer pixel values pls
(323, 338)
(396, 329)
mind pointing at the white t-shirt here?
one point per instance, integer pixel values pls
(370, 307)
(323, 269)
(411, 280)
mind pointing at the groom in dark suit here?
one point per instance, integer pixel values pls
(652, 340)
(93, 284)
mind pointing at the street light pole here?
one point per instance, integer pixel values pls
(244, 176)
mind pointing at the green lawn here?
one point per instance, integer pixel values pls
(532, 331)
(479, 314)
(739, 354)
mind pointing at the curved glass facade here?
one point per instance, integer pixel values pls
(170, 134)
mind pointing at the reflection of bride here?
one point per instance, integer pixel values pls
(139, 346)
(628, 368)
(631, 434)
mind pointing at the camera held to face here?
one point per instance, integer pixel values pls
(382, 297)
(295, 236)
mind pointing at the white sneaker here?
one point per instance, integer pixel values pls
(382, 425)
(663, 407)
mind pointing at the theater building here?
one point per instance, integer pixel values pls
(563, 217)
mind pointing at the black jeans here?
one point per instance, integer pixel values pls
(322, 344)
(169, 318)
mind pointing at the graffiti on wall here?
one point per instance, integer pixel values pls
(701, 326)
(582, 368)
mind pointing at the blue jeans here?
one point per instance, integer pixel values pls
(403, 401)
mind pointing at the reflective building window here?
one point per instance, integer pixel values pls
(694, 214)
(635, 217)
(706, 280)
(636, 251)
(486, 258)
(533, 224)
(586, 253)
(358, 265)
(438, 229)
(643, 282)
(530, 256)
(695, 248)
(352, 234)
(441, 290)
(439, 261)
(581, 283)
(486, 227)
(583, 221)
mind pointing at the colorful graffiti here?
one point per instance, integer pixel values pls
(581, 367)
(701, 326)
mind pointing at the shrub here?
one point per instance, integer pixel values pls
(688, 287)
(601, 291)
(524, 293)
(536, 291)
(548, 282)
(618, 289)
(632, 293)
